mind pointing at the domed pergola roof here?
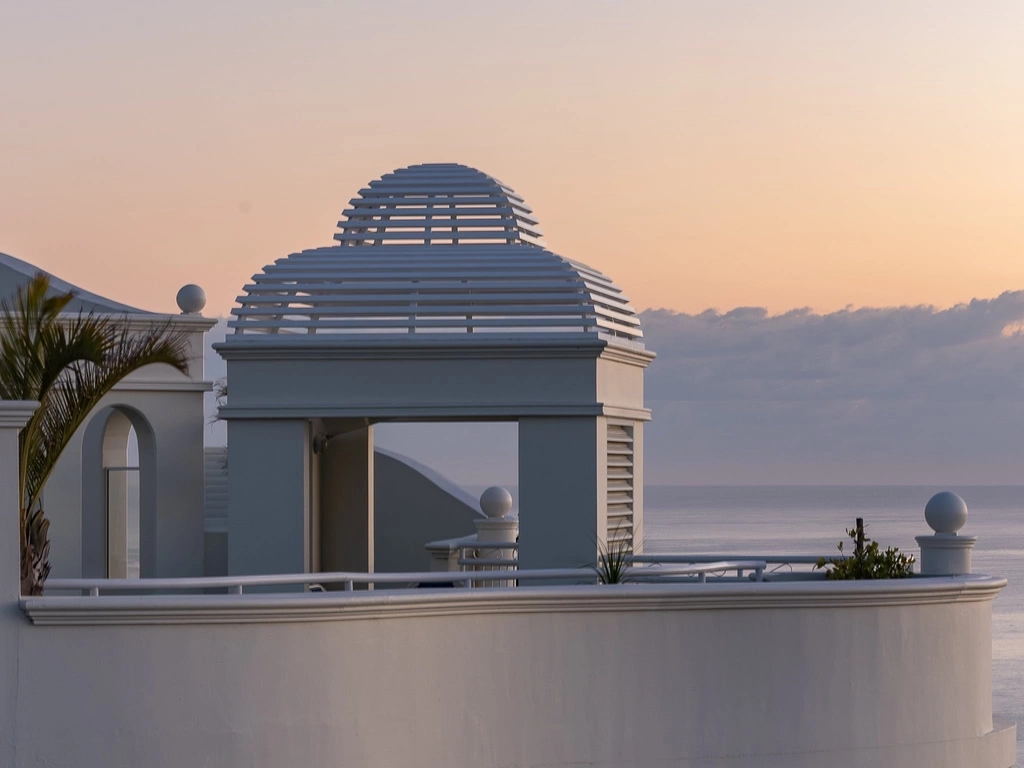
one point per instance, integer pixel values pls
(434, 249)
(437, 203)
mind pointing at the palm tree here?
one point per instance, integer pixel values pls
(67, 363)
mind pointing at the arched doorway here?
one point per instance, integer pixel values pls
(118, 495)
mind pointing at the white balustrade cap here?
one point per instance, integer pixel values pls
(946, 513)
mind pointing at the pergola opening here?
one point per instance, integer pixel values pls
(473, 454)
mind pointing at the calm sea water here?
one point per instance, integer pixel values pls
(811, 520)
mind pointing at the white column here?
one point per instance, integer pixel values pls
(268, 496)
(13, 415)
(346, 502)
(115, 454)
(562, 491)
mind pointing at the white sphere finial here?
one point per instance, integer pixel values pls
(191, 299)
(946, 513)
(496, 502)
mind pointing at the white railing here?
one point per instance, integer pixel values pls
(469, 559)
(469, 556)
(778, 567)
(769, 559)
(314, 581)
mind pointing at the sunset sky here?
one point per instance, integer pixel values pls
(704, 153)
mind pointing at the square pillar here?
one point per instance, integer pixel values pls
(13, 416)
(562, 491)
(268, 496)
(346, 502)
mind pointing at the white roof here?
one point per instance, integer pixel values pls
(434, 249)
(14, 273)
(437, 203)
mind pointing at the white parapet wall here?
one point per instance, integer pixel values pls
(885, 673)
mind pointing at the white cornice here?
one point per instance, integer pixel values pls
(321, 347)
(164, 386)
(145, 321)
(305, 607)
(16, 413)
(504, 411)
(622, 412)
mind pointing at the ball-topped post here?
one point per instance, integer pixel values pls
(496, 502)
(496, 533)
(946, 513)
(946, 552)
(191, 299)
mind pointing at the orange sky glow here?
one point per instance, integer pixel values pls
(713, 153)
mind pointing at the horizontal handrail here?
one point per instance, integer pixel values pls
(769, 559)
(489, 545)
(237, 584)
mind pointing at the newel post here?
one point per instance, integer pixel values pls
(946, 553)
(496, 529)
(13, 416)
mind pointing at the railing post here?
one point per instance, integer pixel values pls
(946, 553)
(496, 503)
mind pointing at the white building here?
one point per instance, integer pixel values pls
(94, 498)
(439, 303)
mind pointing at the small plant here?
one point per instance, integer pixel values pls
(612, 563)
(867, 560)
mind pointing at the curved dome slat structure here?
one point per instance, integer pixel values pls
(436, 203)
(435, 249)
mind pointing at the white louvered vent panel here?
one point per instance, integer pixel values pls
(620, 485)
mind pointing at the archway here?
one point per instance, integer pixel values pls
(118, 495)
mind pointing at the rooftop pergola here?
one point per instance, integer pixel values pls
(438, 303)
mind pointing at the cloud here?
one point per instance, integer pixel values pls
(896, 395)
(872, 395)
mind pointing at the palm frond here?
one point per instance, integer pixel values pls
(82, 384)
(68, 364)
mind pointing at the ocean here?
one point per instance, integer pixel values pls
(795, 520)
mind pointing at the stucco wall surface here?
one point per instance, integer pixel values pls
(728, 676)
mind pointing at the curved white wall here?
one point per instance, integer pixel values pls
(413, 505)
(818, 674)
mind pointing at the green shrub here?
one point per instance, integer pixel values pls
(868, 561)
